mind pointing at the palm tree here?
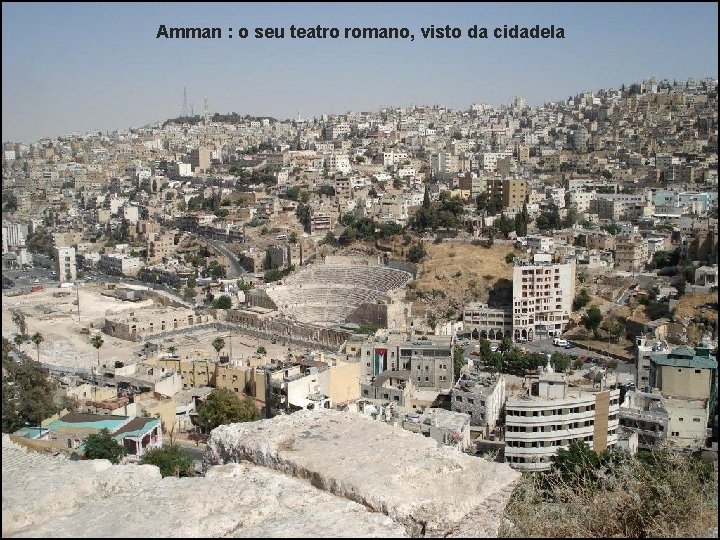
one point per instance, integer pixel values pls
(172, 349)
(37, 339)
(218, 344)
(19, 320)
(20, 339)
(97, 342)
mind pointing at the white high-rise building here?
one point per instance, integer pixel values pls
(547, 415)
(543, 293)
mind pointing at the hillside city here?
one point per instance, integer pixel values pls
(508, 282)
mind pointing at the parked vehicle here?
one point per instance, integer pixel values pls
(559, 342)
(569, 346)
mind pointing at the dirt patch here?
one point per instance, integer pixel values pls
(454, 274)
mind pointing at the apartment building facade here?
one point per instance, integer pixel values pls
(631, 252)
(547, 416)
(65, 264)
(427, 358)
(543, 292)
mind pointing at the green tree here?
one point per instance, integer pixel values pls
(243, 286)
(592, 319)
(97, 342)
(272, 275)
(171, 460)
(581, 300)
(329, 239)
(224, 407)
(426, 199)
(218, 344)
(21, 339)
(101, 445)
(560, 362)
(217, 271)
(224, 302)
(293, 192)
(261, 351)
(510, 258)
(505, 225)
(27, 393)
(571, 218)
(302, 212)
(611, 228)
(505, 345)
(37, 338)
(19, 320)
(491, 232)
(520, 225)
(190, 288)
(368, 328)
(416, 253)
(615, 327)
(293, 237)
(458, 361)
(9, 202)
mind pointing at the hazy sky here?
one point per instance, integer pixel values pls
(79, 67)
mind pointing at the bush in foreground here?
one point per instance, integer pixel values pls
(610, 495)
(171, 460)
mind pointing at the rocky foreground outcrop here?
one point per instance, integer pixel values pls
(432, 490)
(327, 474)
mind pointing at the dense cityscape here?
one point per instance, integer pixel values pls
(502, 290)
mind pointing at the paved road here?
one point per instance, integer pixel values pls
(236, 269)
(24, 279)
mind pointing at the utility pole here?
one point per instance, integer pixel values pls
(77, 291)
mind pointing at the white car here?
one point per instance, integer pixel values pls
(559, 342)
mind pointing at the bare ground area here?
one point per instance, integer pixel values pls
(453, 274)
(53, 313)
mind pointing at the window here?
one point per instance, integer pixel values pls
(426, 379)
(696, 420)
(698, 371)
(675, 434)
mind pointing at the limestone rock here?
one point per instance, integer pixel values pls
(433, 490)
(38, 488)
(96, 499)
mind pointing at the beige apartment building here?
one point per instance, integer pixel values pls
(631, 252)
(543, 292)
(508, 192)
(65, 264)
